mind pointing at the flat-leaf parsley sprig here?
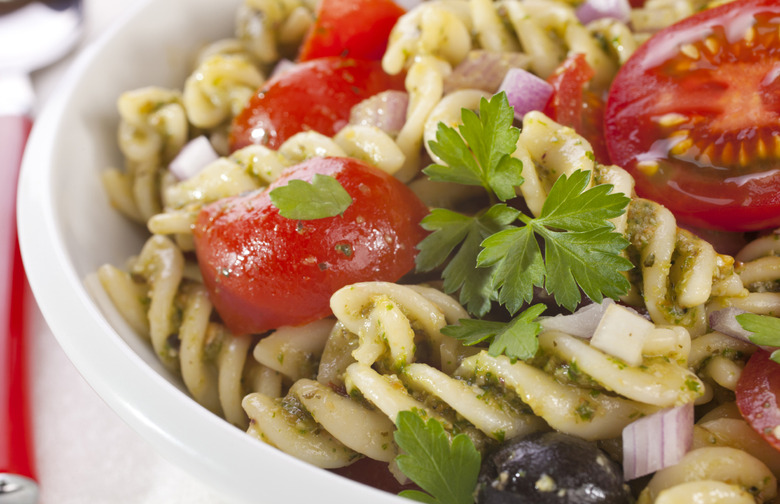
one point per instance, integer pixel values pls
(448, 471)
(480, 152)
(582, 248)
(516, 339)
(489, 256)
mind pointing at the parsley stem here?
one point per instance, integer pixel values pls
(527, 220)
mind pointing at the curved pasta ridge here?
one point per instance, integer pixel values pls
(162, 299)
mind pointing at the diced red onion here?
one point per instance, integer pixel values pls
(725, 321)
(408, 4)
(525, 91)
(484, 70)
(385, 110)
(582, 323)
(193, 157)
(591, 10)
(657, 441)
(281, 66)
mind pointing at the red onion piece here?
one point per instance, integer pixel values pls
(484, 70)
(408, 4)
(385, 110)
(591, 10)
(193, 157)
(657, 441)
(582, 323)
(281, 66)
(725, 321)
(525, 91)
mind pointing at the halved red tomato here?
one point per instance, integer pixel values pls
(350, 29)
(757, 396)
(694, 115)
(316, 95)
(573, 104)
(264, 270)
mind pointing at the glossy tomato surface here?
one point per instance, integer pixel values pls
(264, 271)
(350, 29)
(694, 115)
(315, 95)
(757, 396)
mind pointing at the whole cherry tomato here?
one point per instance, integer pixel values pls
(573, 104)
(694, 115)
(351, 29)
(315, 95)
(757, 396)
(264, 271)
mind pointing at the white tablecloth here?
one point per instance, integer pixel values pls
(85, 453)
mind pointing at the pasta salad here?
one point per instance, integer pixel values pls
(473, 250)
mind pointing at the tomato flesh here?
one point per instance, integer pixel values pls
(757, 396)
(316, 95)
(573, 104)
(694, 115)
(264, 271)
(350, 28)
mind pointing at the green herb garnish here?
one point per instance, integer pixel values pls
(490, 258)
(765, 329)
(463, 235)
(323, 197)
(447, 471)
(516, 339)
(485, 157)
(582, 249)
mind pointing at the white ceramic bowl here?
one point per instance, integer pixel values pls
(67, 230)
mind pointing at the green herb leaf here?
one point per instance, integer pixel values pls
(572, 206)
(765, 329)
(482, 153)
(323, 197)
(460, 234)
(447, 471)
(516, 339)
(582, 250)
(517, 265)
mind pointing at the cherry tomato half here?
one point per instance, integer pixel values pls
(315, 95)
(264, 271)
(757, 396)
(351, 29)
(573, 104)
(694, 115)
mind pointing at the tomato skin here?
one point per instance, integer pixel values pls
(315, 95)
(573, 105)
(757, 396)
(264, 271)
(351, 28)
(692, 115)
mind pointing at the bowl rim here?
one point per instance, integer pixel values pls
(170, 421)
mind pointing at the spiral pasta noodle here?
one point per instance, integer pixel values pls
(159, 297)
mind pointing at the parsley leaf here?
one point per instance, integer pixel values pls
(447, 471)
(517, 339)
(482, 153)
(454, 232)
(582, 250)
(571, 206)
(765, 329)
(323, 197)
